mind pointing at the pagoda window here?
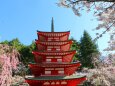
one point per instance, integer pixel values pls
(56, 39)
(49, 46)
(49, 49)
(56, 46)
(61, 69)
(48, 60)
(58, 56)
(53, 39)
(61, 72)
(50, 39)
(58, 49)
(49, 57)
(47, 72)
(59, 60)
(49, 68)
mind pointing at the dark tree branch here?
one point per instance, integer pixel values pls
(108, 28)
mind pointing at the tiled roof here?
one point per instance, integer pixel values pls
(53, 33)
(53, 43)
(55, 64)
(54, 53)
(55, 77)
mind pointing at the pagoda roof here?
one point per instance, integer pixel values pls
(58, 43)
(53, 33)
(56, 77)
(50, 65)
(52, 53)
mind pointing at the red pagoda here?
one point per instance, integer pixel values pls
(53, 61)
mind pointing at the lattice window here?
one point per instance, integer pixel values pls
(50, 39)
(48, 60)
(61, 72)
(49, 49)
(58, 56)
(61, 69)
(56, 46)
(56, 39)
(49, 57)
(58, 49)
(53, 39)
(59, 60)
(49, 68)
(49, 46)
(53, 48)
(48, 72)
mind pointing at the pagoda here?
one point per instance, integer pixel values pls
(54, 64)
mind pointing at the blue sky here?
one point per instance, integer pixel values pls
(22, 18)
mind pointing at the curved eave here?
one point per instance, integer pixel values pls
(56, 34)
(58, 53)
(52, 32)
(49, 65)
(43, 78)
(53, 42)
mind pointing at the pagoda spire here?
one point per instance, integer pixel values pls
(52, 25)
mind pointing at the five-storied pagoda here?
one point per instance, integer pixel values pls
(53, 61)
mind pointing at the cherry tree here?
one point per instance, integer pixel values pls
(104, 10)
(8, 61)
(104, 72)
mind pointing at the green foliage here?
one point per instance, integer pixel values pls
(16, 44)
(87, 48)
(26, 55)
(75, 46)
(5, 42)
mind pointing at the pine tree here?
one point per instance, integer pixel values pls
(87, 48)
(75, 46)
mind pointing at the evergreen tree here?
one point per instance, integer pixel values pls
(87, 48)
(16, 44)
(75, 46)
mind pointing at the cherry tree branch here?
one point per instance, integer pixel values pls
(108, 28)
